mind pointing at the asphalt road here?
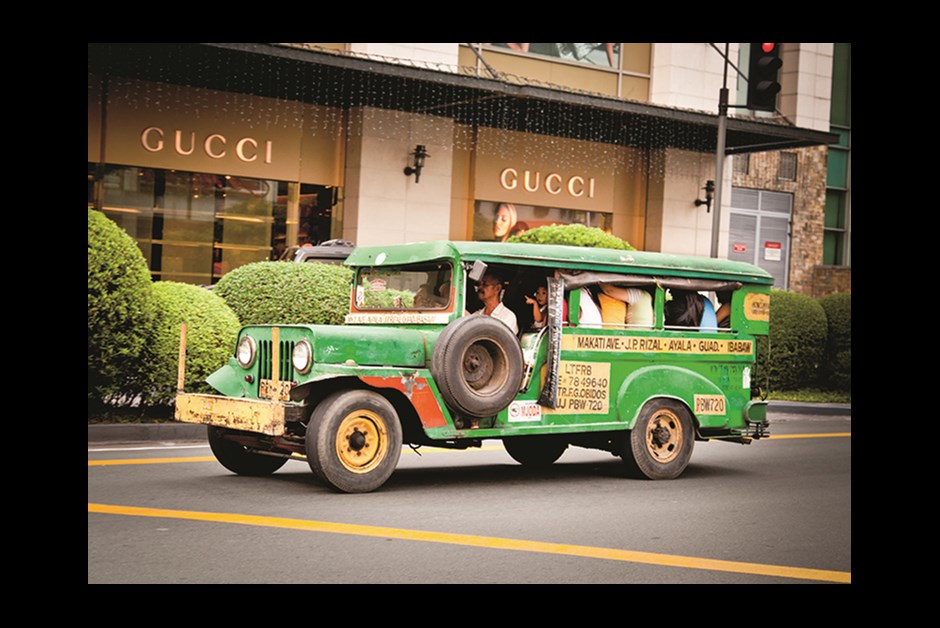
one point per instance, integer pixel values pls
(776, 511)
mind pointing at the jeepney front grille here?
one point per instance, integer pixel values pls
(265, 355)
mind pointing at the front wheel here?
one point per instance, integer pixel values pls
(239, 459)
(660, 444)
(354, 441)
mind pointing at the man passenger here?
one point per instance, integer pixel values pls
(490, 291)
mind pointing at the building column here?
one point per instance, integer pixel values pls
(382, 205)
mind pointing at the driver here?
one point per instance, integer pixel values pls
(490, 291)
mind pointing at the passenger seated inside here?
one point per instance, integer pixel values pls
(430, 295)
(490, 291)
(590, 313)
(690, 309)
(709, 320)
(684, 309)
(630, 306)
(539, 303)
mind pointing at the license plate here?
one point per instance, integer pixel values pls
(267, 390)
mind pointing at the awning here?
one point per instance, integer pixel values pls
(343, 81)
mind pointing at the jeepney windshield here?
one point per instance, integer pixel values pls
(423, 286)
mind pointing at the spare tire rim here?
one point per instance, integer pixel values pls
(485, 366)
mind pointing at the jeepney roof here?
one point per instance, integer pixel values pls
(557, 256)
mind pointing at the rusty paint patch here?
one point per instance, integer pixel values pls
(409, 381)
(250, 415)
(418, 392)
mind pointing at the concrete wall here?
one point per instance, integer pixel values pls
(674, 223)
(382, 205)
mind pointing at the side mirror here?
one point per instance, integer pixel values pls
(477, 270)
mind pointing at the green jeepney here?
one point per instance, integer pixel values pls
(412, 365)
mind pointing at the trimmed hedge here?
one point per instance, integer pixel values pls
(789, 358)
(836, 373)
(211, 331)
(572, 235)
(120, 306)
(287, 293)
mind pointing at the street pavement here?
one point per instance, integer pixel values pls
(176, 432)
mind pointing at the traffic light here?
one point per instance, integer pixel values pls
(762, 85)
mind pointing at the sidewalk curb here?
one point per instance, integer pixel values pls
(801, 407)
(145, 432)
(174, 432)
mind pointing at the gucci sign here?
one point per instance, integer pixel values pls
(215, 145)
(553, 183)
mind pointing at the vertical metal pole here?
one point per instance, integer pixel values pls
(720, 156)
(181, 362)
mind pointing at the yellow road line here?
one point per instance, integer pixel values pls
(648, 558)
(108, 463)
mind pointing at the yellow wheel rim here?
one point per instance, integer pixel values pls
(362, 441)
(664, 436)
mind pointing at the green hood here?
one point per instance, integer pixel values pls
(370, 345)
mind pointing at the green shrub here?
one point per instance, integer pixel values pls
(837, 364)
(790, 356)
(119, 310)
(287, 293)
(211, 331)
(572, 235)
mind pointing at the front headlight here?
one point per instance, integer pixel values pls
(302, 358)
(245, 352)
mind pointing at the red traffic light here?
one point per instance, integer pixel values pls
(762, 82)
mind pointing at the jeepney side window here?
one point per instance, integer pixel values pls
(683, 308)
(688, 308)
(413, 287)
(630, 306)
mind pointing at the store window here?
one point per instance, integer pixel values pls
(195, 227)
(499, 221)
(603, 55)
(620, 70)
(786, 167)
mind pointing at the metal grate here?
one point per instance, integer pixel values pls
(285, 368)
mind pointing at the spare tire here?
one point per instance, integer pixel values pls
(478, 366)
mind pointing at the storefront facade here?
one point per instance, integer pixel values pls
(208, 174)
(201, 188)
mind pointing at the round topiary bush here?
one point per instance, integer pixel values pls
(572, 235)
(211, 331)
(789, 358)
(119, 310)
(837, 364)
(287, 293)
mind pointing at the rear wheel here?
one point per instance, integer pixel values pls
(239, 459)
(660, 444)
(535, 451)
(354, 440)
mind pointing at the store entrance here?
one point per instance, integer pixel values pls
(303, 214)
(195, 227)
